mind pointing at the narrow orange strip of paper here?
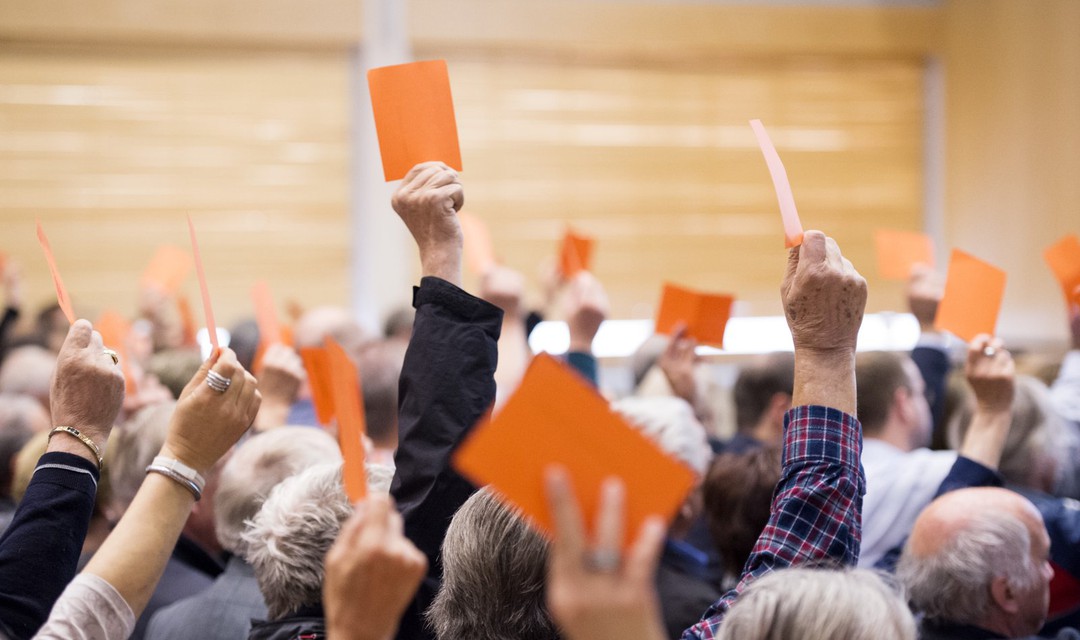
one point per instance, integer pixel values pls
(479, 250)
(414, 116)
(61, 291)
(317, 365)
(793, 231)
(211, 326)
(974, 290)
(168, 269)
(1063, 257)
(705, 314)
(575, 254)
(511, 451)
(265, 313)
(899, 251)
(349, 408)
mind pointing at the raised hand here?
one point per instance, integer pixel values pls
(924, 290)
(280, 379)
(427, 202)
(587, 307)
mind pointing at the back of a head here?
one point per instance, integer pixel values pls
(819, 604)
(176, 367)
(28, 370)
(493, 576)
(287, 540)
(758, 382)
(878, 375)
(380, 364)
(335, 322)
(256, 467)
(670, 423)
(738, 499)
(21, 417)
(132, 447)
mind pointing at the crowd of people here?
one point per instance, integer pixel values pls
(928, 494)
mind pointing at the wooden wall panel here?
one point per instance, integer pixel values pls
(112, 149)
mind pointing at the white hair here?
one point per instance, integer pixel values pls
(256, 467)
(287, 540)
(132, 447)
(820, 604)
(671, 424)
(954, 583)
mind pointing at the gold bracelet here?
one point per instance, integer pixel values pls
(72, 431)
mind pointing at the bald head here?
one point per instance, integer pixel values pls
(336, 322)
(956, 512)
(28, 370)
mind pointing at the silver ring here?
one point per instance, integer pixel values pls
(217, 382)
(603, 560)
(989, 352)
(114, 355)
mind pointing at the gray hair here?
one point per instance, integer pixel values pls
(28, 370)
(21, 416)
(670, 423)
(287, 540)
(494, 567)
(256, 467)
(953, 583)
(132, 447)
(820, 604)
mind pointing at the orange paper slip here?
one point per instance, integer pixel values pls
(349, 408)
(575, 254)
(1064, 259)
(793, 231)
(317, 365)
(899, 251)
(414, 116)
(61, 291)
(973, 293)
(479, 250)
(705, 314)
(211, 326)
(579, 432)
(168, 269)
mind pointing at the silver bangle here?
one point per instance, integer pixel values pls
(177, 478)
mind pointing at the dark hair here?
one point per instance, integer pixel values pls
(758, 383)
(738, 496)
(878, 375)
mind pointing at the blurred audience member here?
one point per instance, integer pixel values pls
(762, 396)
(28, 370)
(281, 377)
(175, 367)
(334, 322)
(21, 417)
(399, 324)
(380, 369)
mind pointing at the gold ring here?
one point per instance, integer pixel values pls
(114, 355)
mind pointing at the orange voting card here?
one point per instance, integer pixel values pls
(973, 293)
(414, 116)
(349, 408)
(579, 432)
(266, 314)
(793, 231)
(211, 326)
(317, 365)
(899, 251)
(114, 329)
(479, 250)
(705, 314)
(61, 290)
(1064, 259)
(168, 269)
(575, 255)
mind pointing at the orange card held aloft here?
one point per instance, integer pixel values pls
(899, 251)
(61, 291)
(114, 329)
(414, 116)
(705, 314)
(349, 408)
(575, 255)
(317, 365)
(266, 314)
(479, 249)
(581, 433)
(1064, 259)
(973, 293)
(793, 231)
(168, 269)
(211, 326)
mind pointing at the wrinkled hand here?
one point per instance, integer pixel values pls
(282, 374)
(427, 202)
(587, 307)
(678, 362)
(925, 288)
(87, 387)
(824, 296)
(372, 572)
(206, 423)
(589, 604)
(504, 288)
(992, 378)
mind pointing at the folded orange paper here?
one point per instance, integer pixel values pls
(1064, 259)
(556, 418)
(414, 116)
(168, 269)
(705, 314)
(899, 251)
(974, 291)
(317, 365)
(575, 255)
(349, 409)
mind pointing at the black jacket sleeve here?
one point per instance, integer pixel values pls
(447, 384)
(39, 552)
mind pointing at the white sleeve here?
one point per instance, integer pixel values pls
(89, 609)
